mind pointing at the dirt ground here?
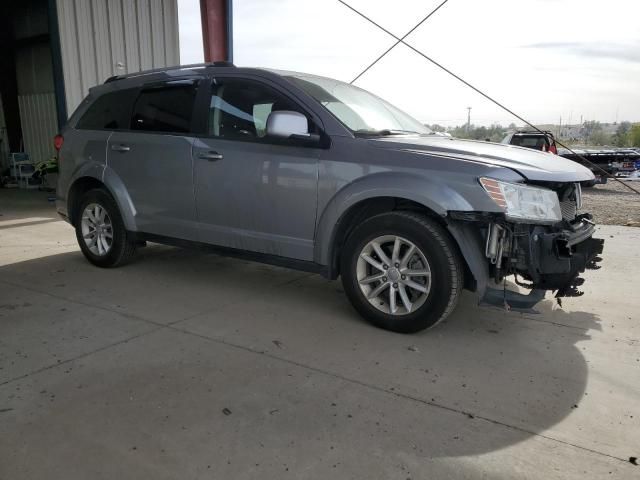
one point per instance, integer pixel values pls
(613, 204)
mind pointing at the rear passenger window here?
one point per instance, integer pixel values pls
(111, 111)
(166, 109)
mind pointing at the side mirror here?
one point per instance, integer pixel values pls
(288, 124)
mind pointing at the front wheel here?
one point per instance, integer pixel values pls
(100, 230)
(401, 271)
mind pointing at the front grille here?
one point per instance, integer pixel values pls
(569, 209)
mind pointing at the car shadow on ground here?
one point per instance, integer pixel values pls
(484, 367)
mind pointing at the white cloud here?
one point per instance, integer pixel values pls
(544, 59)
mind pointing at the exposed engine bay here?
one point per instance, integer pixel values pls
(540, 257)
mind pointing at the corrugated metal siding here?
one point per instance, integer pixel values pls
(100, 38)
(34, 70)
(39, 124)
(170, 21)
(29, 18)
(36, 100)
(4, 140)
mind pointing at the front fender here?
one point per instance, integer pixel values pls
(434, 194)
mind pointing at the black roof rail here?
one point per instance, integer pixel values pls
(166, 69)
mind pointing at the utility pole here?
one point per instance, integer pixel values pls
(468, 119)
(560, 127)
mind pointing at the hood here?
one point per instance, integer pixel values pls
(531, 164)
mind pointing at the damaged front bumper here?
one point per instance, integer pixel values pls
(540, 258)
(556, 259)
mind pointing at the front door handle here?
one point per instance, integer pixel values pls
(211, 156)
(120, 148)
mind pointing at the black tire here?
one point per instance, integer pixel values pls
(440, 252)
(122, 248)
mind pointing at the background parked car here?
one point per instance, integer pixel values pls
(543, 141)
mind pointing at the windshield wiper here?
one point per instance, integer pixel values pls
(384, 132)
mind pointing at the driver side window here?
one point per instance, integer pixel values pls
(239, 109)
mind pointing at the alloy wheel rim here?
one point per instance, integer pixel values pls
(393, 274)
(97, 229)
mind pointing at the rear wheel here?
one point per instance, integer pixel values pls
(100, 230)
(401, 271)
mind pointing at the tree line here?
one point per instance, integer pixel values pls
(591, 133)
(626, 134)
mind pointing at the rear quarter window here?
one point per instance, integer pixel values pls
(531, 141)
(166, 109)
(111, 111)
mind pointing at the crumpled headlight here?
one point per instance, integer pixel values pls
(523, 202)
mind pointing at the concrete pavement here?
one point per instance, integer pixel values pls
(186, 365)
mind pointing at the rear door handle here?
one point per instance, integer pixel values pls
(120, 148)
(211, 156)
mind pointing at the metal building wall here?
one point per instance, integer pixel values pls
(4, 140)
(39, 124)
(34, 76)
(101, 38)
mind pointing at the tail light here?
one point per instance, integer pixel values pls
(553, 149)
(58, 140)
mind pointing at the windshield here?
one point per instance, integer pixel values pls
(360, 111)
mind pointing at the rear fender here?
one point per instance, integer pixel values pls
(68, 180)
(119, 192)
(114, 185)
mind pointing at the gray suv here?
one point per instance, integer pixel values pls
(314, 174)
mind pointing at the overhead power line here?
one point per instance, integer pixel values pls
(462, 80)
(398, 41)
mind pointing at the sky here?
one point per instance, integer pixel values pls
(545, 59)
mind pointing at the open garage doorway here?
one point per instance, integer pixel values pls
(31, 108)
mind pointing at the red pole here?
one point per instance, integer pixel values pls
(214, 29)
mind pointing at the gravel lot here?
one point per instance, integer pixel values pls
(613, 204)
